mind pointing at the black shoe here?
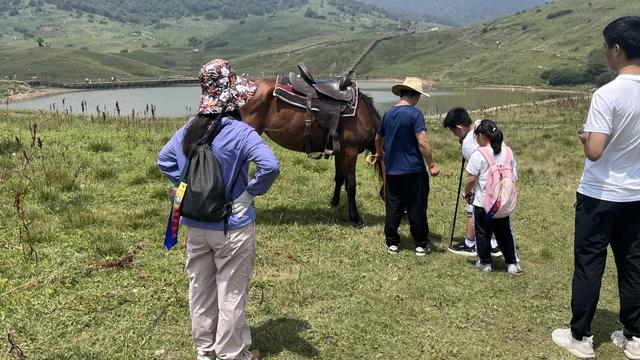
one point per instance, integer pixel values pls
(495, 252)
(461, 248)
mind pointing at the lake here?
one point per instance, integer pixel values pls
(182, 101)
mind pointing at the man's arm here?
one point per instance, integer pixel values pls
(425, 150)
(594, 144)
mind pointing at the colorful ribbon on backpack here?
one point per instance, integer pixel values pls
(494, 209)
(173, 225)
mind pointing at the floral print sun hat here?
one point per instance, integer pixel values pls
(222, 89)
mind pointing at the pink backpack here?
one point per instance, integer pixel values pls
(500, 194)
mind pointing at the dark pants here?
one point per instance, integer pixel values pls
(598, 224)
(410, 192)
(501, 228)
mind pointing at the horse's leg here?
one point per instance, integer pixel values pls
(339, 162)
(350, 158)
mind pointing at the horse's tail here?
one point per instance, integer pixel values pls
(376, 122)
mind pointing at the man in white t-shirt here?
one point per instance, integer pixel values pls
(608, 198)
(460, 124)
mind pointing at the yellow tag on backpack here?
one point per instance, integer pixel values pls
(177, 199)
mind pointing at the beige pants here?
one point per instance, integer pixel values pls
(219, 271)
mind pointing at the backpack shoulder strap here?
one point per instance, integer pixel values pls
(508, 155)
(488, 155)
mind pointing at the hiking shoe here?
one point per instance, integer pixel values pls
(392, 249)
(495, 252)
(483, 267)
(582, 349)
(631, 347)
(514, 269)
(206, 355)
(461, 248)
(423, 251)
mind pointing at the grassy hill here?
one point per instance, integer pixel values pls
(84, 44)
(329, 36)
(531, 42)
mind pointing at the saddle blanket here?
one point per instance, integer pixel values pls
(285, 92)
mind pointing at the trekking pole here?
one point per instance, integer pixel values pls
(455, 214)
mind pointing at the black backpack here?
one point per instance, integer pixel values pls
(206, 197)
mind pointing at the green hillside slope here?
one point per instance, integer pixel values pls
(77, 44)
(530, 43)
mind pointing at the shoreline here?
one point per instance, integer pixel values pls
(36, 93)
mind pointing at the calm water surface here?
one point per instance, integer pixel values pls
(182, 101)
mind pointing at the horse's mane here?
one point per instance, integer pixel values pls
(368, 100)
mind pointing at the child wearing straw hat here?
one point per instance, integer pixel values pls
(402, 142)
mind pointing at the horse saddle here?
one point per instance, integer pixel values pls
(331, 99)
(338, 89)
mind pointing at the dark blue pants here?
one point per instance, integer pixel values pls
(598, 224)
(408, 192)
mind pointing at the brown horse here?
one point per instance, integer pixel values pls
(284, 124)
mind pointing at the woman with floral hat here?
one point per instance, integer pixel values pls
(220, 263)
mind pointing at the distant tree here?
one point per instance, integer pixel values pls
(40, 41)
(596, 63)
(310, 13)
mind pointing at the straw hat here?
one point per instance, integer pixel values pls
(222, 89)
(410, 83)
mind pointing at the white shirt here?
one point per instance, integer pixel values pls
(615, 111)
(479, 166)
(469, 143)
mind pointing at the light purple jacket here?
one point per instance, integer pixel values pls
(235, 146)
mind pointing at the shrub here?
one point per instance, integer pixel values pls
(557, 14)
(124, 51)
(545, 75)
(567, 76)
(310, 13)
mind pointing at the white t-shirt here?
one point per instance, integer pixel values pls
(615, 111)
(469, 143)
(479, 166)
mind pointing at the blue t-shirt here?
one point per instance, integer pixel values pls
(401, 150)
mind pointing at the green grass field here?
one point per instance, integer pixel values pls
(91, 195)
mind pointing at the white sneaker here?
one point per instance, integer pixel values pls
(514, 269)
(582, 349)
(631, 347)
(393, 249)
(483, 267)
(423, 251)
